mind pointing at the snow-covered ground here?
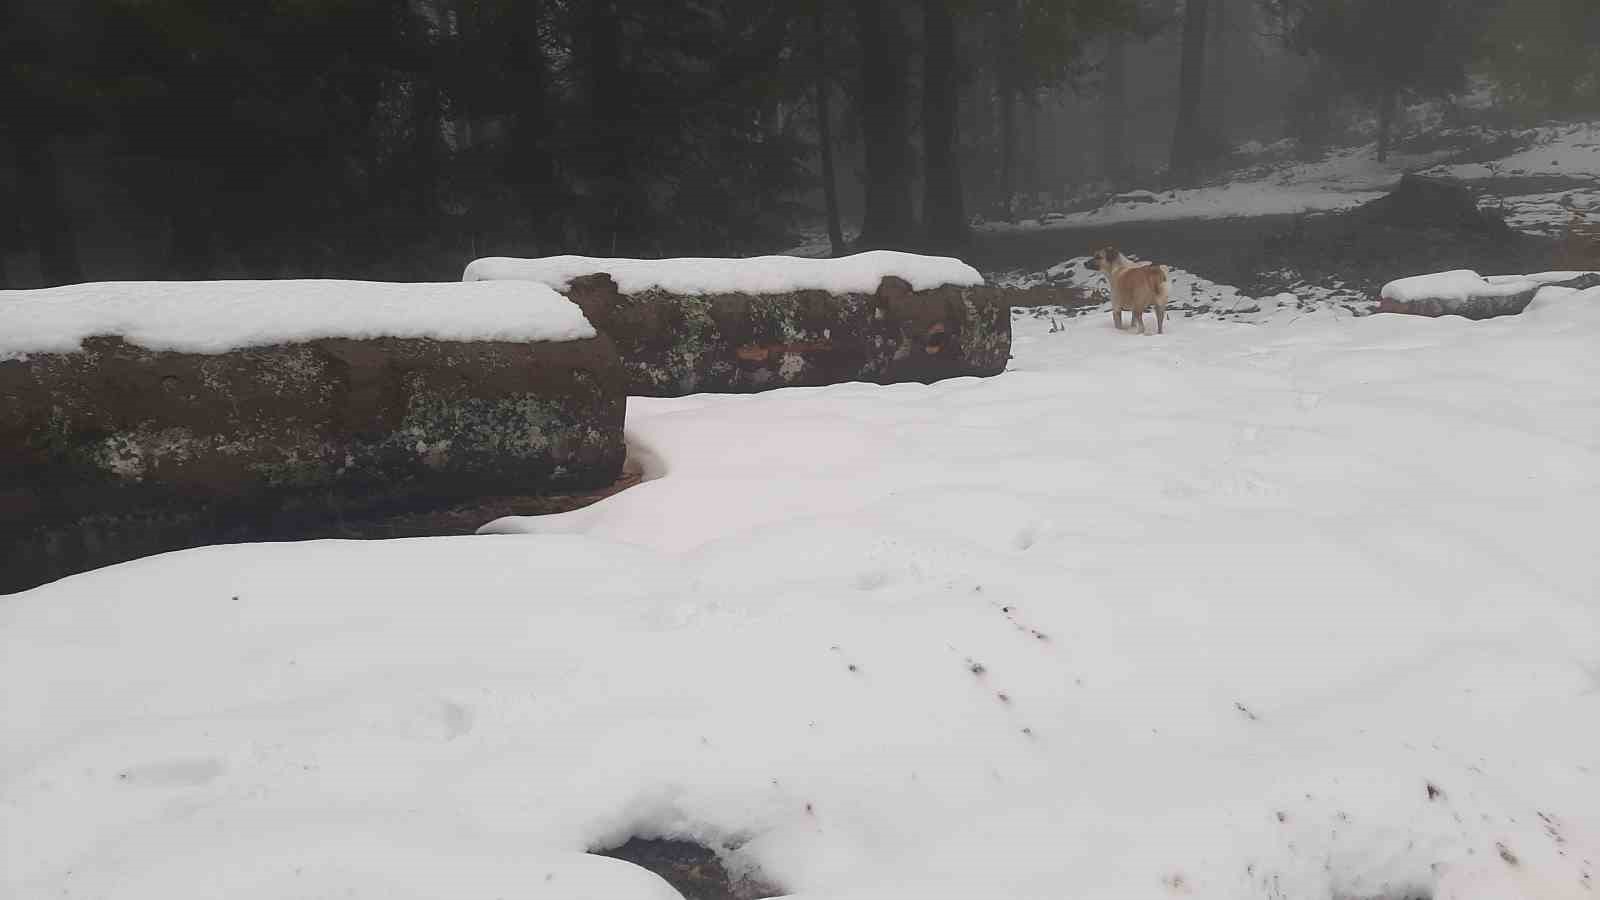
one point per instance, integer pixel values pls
(1345, 179)
(1570, 152)
(1190, 295)
(218, 316)
(1304, 608)
(1350, 177)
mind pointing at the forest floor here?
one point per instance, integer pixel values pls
(1275, 224)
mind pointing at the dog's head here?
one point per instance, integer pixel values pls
(1103, 259)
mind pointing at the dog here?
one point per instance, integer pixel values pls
(1134, 287)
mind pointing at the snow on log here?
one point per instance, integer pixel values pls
(219, 316)
(858, 274)
(740, 325)
(1459, 293)
(139, 418)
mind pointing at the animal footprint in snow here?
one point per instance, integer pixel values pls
(172, 773)
(425, 720)
(1025, 538)
(872, 580)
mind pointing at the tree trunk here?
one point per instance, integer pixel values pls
(824, 91)
(39, 187)
(943, 212)
(607, 154)
(1187, 139)
(1388, 101)
(1030, 147)
(427, 144)
(1114, 113)
(1217, 81)
(889, 219)
(532, 169)
(192, 255)
(1008, 146)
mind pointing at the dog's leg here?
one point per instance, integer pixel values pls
(1116, 315)
(1138, 318)
(1161, 319)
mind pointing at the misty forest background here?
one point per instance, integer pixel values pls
(396, 139)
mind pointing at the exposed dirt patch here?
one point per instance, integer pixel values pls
(695, 871)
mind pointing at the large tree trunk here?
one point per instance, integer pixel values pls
(889, 219)
(1007, 102)
(192, 254)
(1216, 104)
(824, 92)
(943, 212)
(532, 169)
(39, 187)
(1187, 139)
(1008, 84)
(607, 154)
(1388, 103)
(427, 144)
(1114, 113)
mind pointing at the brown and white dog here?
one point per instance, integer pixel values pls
(1134, 286)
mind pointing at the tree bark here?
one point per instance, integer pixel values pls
(532, 169)
(1008, 85)
(943, 212)
(1114, 113)
(824, 91)
(39, 186)
(427, 144)
(1008, 145)
(607, 154)
(1217, 81)
(888, 219)
(192, 254)
(1187, 139)
(1388, 101)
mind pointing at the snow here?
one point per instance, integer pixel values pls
(858, 274)
(1304, 608)
(219, 316)
(1343, 180)
(1190, 294)
(1349, 177)
(1569, 150)
(1457, 286)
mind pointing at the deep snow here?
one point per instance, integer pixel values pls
(218, 316)
(1301, 608)
(857, 274)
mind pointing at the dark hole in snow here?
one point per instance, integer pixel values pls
(696, 871)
